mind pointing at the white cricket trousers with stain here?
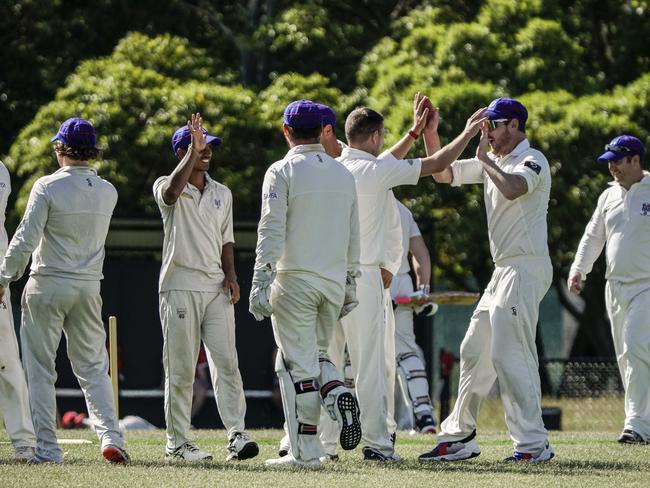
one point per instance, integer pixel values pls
(365, 333)
(52, 305)
(14, 399)
(628, 307)
(189, 317)
(500, 344)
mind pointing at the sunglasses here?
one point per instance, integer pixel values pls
(617, 149)
(493, 124)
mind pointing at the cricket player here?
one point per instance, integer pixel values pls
(411, 371)
(621, 224)
(500, 341)
(64, 229)
(368, 343)
(305, 279)
(197, 291)
(14, 398)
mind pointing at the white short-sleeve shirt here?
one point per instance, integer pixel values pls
(374, 178)
(196, 228)
(516, 227)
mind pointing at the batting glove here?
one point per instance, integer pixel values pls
(350, 301)
(258, 301)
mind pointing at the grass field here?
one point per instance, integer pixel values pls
(582, 460)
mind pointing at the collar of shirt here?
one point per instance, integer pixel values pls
(305, 148)
(516, 152)
(352, 153)
(76, 169)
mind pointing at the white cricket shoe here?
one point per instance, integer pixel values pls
(525, 457)
(453, 451)
(241, 446)
(24, 453)
(289, 461)
(187, 453)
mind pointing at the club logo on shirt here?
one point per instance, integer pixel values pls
(514, 311)
(217, 203)
(645, 209)
(2, 185)
(320, 160)
(270, 196)
(534, 166)
(410, 162)
(90, 183)
(181, 313)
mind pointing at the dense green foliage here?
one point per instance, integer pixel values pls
(581, 68)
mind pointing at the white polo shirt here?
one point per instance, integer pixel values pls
(309, 224)
(516, 228)
(622, 220)
(64, 227)
(196, 228)
(374, 178)
(409, 229)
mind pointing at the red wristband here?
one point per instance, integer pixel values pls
(414, 135)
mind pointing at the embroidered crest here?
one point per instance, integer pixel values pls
(217, 203)
(645, 209)
(410, 162)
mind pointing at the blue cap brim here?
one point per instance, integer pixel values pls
(609, 156)
(56, 138)
(213, 140)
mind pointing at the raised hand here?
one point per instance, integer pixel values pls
(420, 112)
(195, 125)
(483, 145)
(473, 124)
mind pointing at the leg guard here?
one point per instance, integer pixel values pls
(348, 374)
(414, 385)
(301, 404)
(340, 404)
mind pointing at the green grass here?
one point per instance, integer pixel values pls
(583, 459)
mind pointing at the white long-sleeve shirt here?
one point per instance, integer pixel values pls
(5, 191)
(309, 225)
(622, 221)
(374, 178)
(516, 228)
(64, 227)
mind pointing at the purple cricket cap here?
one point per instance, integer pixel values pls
(303, 114)
(182, 138)
(76, 132)
(621, 146)
(328, 116)
(507, 108)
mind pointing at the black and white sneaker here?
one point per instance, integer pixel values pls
(630, 437)
(241, 446)
(370, 454)
(187, 453)
(347, 415)
(453, 451)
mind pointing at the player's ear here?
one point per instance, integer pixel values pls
(180, 152)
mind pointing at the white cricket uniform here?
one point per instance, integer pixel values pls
(14, 399)
(500, 341)
(621, 221)
(195, 308)
(64, 229)
(308, 230)
(365, 327)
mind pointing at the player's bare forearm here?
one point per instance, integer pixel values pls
(180, 176)
(511, 186)
(421, 260)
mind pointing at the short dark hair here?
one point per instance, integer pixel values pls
(304, 133)
(76, 153)
(362, 122)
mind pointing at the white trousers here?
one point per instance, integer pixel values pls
(14, 399)
(189, 318)
(500, 344)
(303, 323)
(50, 306)
(628, 307)
(366, 336)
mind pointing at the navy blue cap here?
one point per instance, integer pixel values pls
(328, 116)
(507, 108)
(76, 132)
(621, 146)
(183, 136)
(303, 114)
